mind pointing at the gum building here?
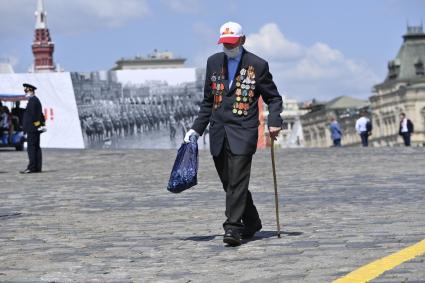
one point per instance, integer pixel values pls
(403, 90)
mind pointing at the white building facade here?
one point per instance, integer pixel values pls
(403, 90)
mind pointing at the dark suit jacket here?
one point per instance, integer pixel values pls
(33, 115)
(19, 112)
(241, 130)
(409, 127)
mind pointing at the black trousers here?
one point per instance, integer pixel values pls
(406, 138)
(337, 142)
(234, 172)
(365, 137)
(34, 152)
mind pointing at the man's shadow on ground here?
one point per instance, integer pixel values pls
(258, 236)
(10, 215)
(44, 171)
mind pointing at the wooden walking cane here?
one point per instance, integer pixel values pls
(276, 196)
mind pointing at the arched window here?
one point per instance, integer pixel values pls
(393, 69)
(419, 67)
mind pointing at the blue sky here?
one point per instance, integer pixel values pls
(319, 49)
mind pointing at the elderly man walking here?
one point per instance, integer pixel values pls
(235, 80)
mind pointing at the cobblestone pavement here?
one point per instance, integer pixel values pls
(106, 216)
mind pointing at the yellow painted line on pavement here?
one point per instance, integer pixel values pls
(376, 268)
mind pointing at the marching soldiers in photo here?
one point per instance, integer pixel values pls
(235, 80)
(406, 129)
(33, 125)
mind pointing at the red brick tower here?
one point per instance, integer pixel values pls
(42, 47)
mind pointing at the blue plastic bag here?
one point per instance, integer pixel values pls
(185, 169)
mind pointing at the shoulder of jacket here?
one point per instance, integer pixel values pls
(255, 58)
(216, 56)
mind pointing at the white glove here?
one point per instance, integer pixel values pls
(190, 133)
(42, 129)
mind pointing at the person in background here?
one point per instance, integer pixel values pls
(18, 113)
(364, 128)
(336, 133)
(33, 125)
(6, 127)
(406, 129)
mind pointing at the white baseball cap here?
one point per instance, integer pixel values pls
(230, 32)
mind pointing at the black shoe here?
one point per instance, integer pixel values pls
(27, 171)
(249, 232)
(232, 238)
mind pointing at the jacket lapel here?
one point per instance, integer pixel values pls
(224, 71)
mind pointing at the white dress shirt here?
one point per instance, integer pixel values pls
(404, 128)
(361, 124)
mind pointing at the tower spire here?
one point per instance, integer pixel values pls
(43, 46)
(40, 15)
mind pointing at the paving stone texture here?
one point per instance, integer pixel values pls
(106, 216)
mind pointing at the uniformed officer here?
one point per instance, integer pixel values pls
(235, 80)
(33, 125)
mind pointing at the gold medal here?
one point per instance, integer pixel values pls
(251, 73)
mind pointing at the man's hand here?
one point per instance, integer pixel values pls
(274, 132)
(42, 129)
(190, 133)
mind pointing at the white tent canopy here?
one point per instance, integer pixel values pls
(56, 94)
